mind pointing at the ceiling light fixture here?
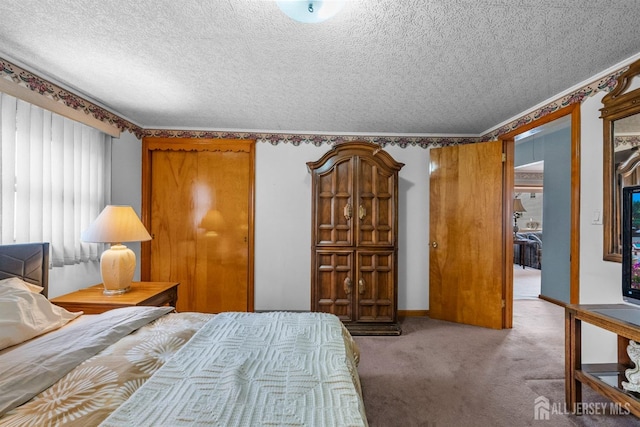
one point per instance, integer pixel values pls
(310, 11)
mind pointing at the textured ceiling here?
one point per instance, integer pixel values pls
(437, 67)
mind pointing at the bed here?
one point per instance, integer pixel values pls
(152, 366)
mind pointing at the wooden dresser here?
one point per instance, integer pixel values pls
(604, 378)
(354, 237)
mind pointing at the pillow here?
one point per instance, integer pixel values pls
(25, 314)
(16, 281)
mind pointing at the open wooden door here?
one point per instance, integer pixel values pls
(467, 274)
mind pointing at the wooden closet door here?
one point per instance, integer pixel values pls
(173, 244)
(201, 222)
(222, 233)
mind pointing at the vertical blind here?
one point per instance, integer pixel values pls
(56, 177)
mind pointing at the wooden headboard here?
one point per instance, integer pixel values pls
(28, 261)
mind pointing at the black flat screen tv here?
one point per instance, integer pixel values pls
(631, 244)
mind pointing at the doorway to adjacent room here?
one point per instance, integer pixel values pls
(542, 221)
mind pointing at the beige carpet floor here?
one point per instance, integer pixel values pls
(440, 374)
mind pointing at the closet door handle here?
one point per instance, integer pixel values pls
(347, 285)
(362, 212)
(362, 286)
(348, 211)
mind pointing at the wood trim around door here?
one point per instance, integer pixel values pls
(574, 111)
(508, 181)
(149, 144)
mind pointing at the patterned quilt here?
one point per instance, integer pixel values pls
(229, 369)
(95, 388)
(248, 369)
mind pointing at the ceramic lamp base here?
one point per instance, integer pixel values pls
(117, 266)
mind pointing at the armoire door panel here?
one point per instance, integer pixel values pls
(335, 283)
(376, 286)
(334, 206)
(376, 205)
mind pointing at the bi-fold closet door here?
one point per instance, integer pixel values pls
(198, 206)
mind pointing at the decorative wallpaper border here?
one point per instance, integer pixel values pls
(317, 140)
(47, 89)
(528, 179)
(43, 87)
(529, 176)
(626, 142)
(606, 83)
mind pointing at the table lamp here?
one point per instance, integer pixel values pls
(115, 225)
(518, 209)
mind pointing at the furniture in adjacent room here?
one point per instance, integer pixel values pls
(354, 237)
(518, 251)
(527, 249)
(92, 300)
(197, 203)
(605, 378)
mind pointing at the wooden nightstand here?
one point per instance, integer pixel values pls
(92, 301)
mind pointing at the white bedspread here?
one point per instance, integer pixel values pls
(248, 369)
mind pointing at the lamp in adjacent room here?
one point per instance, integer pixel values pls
(310, 11)
(518, 209)
(115, 225)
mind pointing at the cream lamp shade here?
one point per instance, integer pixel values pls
(115, 225)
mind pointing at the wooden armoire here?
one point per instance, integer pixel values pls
(354, 237)
(197, 203)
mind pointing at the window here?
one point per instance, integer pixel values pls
(56, 176)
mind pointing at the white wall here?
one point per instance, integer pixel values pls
(283, 226)
(600, 281)
(73, 277)
(413, 224)
(126, 171)
(126, 180)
